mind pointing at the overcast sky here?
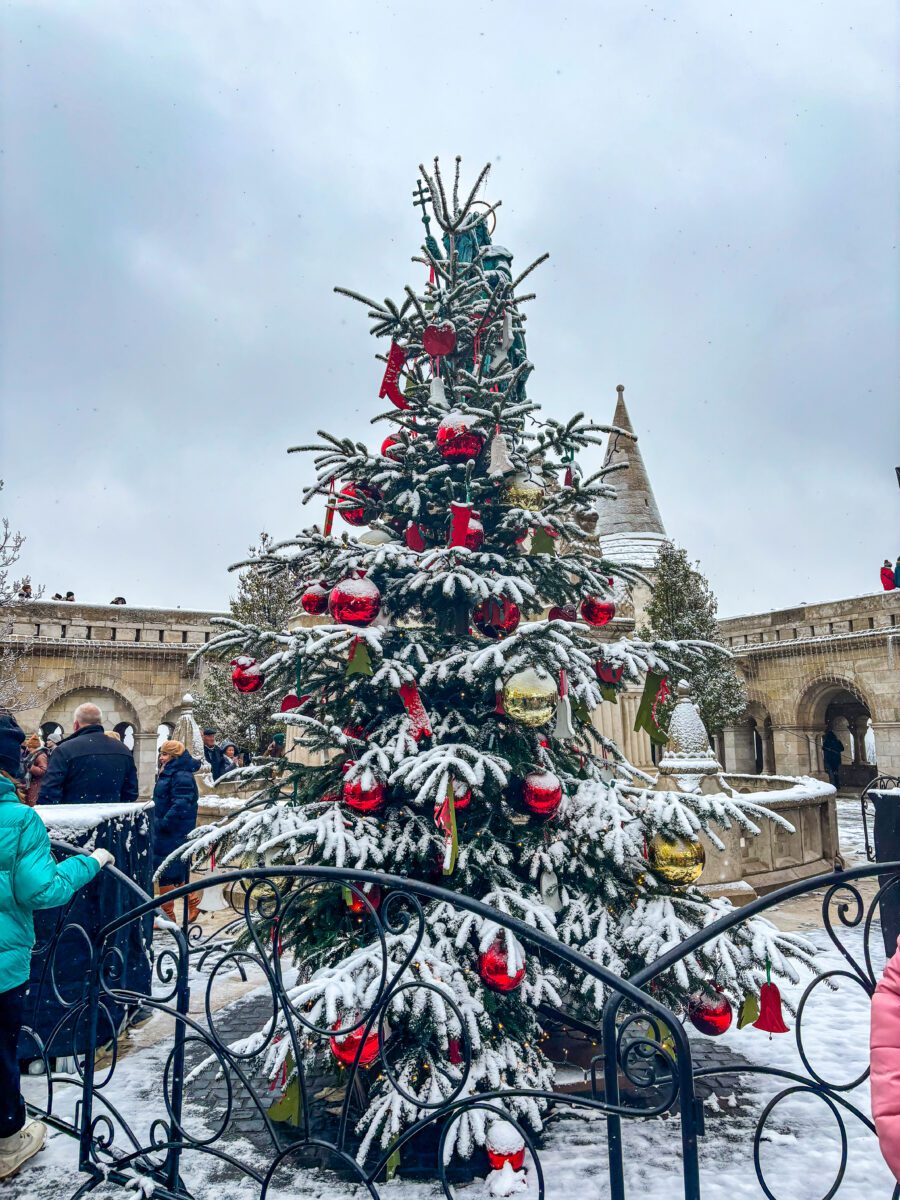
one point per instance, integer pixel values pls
(185, 181)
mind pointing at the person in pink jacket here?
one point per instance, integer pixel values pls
(885, 1059)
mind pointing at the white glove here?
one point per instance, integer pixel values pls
(103, 857)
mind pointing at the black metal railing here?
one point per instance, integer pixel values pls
(229, 1005)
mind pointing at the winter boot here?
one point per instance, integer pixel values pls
(19, 1147)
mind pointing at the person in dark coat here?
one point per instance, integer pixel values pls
(213, 753)
(887, 576)
(88, 767)
(832, 749)
(897, 572)
(229, 757)
(174, 816)
(12, 735)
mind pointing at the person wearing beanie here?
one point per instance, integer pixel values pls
(30, 879)
(275, 749)
(174, 816)
(35, 768)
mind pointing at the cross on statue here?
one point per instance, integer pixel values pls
(420, 198)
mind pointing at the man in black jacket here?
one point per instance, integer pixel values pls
(88, 767)
(213, 753)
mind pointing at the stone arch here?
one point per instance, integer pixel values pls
(117, 709)
(816, 694)
(137, 708)
(836, 702)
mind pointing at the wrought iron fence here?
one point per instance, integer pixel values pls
(215, 1100)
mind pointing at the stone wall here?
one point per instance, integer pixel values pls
(132, 662)
(831, 663)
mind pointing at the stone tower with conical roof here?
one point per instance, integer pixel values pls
(630, 528)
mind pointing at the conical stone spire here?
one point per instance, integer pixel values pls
(630, 526)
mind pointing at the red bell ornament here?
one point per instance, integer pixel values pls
(493, 967)
(315, 600)
(364, 799)
(345, 1046)
(541, 793)
(770, 1019)
(355, 514)
(608, 675)
(565, 612)
(438, 340)
(496, 617)
(244, 678)
(456, 440)
(710, 1012)
(597, 612)
(355, 602)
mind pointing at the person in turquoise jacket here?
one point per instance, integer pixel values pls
(30, 878)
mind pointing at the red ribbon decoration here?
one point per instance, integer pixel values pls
(329, 511)
(418, 717)
(662, 696)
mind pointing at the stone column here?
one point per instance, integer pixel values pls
(792, 749)
(740, 756)
(145, 758)
(887, 746)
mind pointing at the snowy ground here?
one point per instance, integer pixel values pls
(800, 1152)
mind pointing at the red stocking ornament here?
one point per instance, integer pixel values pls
(390, 385)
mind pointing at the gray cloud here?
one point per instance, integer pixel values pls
(185, 182)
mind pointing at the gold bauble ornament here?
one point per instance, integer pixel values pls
(676, 860)
(529, 697)
(522, 492)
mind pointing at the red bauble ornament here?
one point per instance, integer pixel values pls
(356, 515)
(438, 340)
(608, 675)
(356, 904)
(462, 794)
(386, 447)
(493, 967)
(567, 612)
(505, 1145)
(345, 1046)
(709, 1013)
(456, 440)
(496, 617)
(596, 611)
(542, 793)
(243, 678)
(315, 600)
(474, 535)
(364, 799)
(355, 602)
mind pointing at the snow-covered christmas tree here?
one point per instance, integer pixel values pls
(442, 708)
